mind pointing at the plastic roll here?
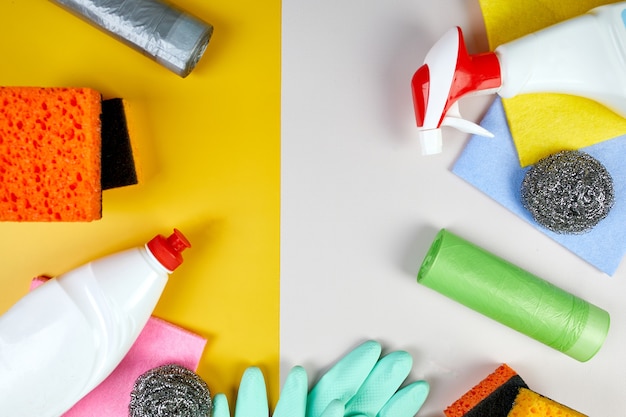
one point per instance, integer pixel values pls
(157, 29)
(516, 298)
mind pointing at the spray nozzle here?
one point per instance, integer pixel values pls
(449, 72)
(168, 250)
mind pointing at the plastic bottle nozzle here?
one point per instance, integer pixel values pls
(430, 141)
(177, 241)
(168, 250)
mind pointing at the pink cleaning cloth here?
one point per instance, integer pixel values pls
(160, 343)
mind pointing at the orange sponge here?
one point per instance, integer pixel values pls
(503, 393)
(50, 154)
(501, 386)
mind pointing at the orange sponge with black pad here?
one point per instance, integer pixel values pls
(503, 393)
(492, 397)
(50, 154)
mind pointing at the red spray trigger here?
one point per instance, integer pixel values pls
(168, 250)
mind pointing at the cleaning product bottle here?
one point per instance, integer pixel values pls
(63, 338)
(583, 56)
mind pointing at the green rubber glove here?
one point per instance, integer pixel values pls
(252, 396)
(361, 384)
(364, 384)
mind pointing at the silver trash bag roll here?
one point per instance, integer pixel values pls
(163, 32)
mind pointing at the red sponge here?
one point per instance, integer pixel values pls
(50, 162)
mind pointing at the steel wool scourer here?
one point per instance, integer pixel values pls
(170, 390)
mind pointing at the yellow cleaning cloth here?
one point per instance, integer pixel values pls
(542, 124)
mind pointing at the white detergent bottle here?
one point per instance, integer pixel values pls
(65, 337)
(583, 56)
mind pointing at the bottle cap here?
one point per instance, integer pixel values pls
(168, 250)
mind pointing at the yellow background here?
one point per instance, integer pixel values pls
(208, 149)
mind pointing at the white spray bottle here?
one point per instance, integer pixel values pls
(65, 337)
(583, 56)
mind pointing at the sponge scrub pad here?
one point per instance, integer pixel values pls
(503, 393)
(118, 163)
(530, 404)
(491, 397)
(50, 154)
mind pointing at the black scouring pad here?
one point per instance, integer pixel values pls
(118, 164)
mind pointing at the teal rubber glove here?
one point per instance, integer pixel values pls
(364, 384)
(361, 384)
(252, 396)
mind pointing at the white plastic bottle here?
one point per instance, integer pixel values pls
(65, 337)
(583, 56)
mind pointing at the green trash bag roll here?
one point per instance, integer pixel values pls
(516, 298)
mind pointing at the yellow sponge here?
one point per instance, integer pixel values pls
(530, 404)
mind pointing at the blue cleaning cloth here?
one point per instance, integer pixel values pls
(492, 165)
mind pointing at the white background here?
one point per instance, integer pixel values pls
(361, 205)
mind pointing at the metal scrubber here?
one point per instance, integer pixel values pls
(568, 192)
(170, 390)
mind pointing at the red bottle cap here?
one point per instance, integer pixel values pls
(168, 250)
